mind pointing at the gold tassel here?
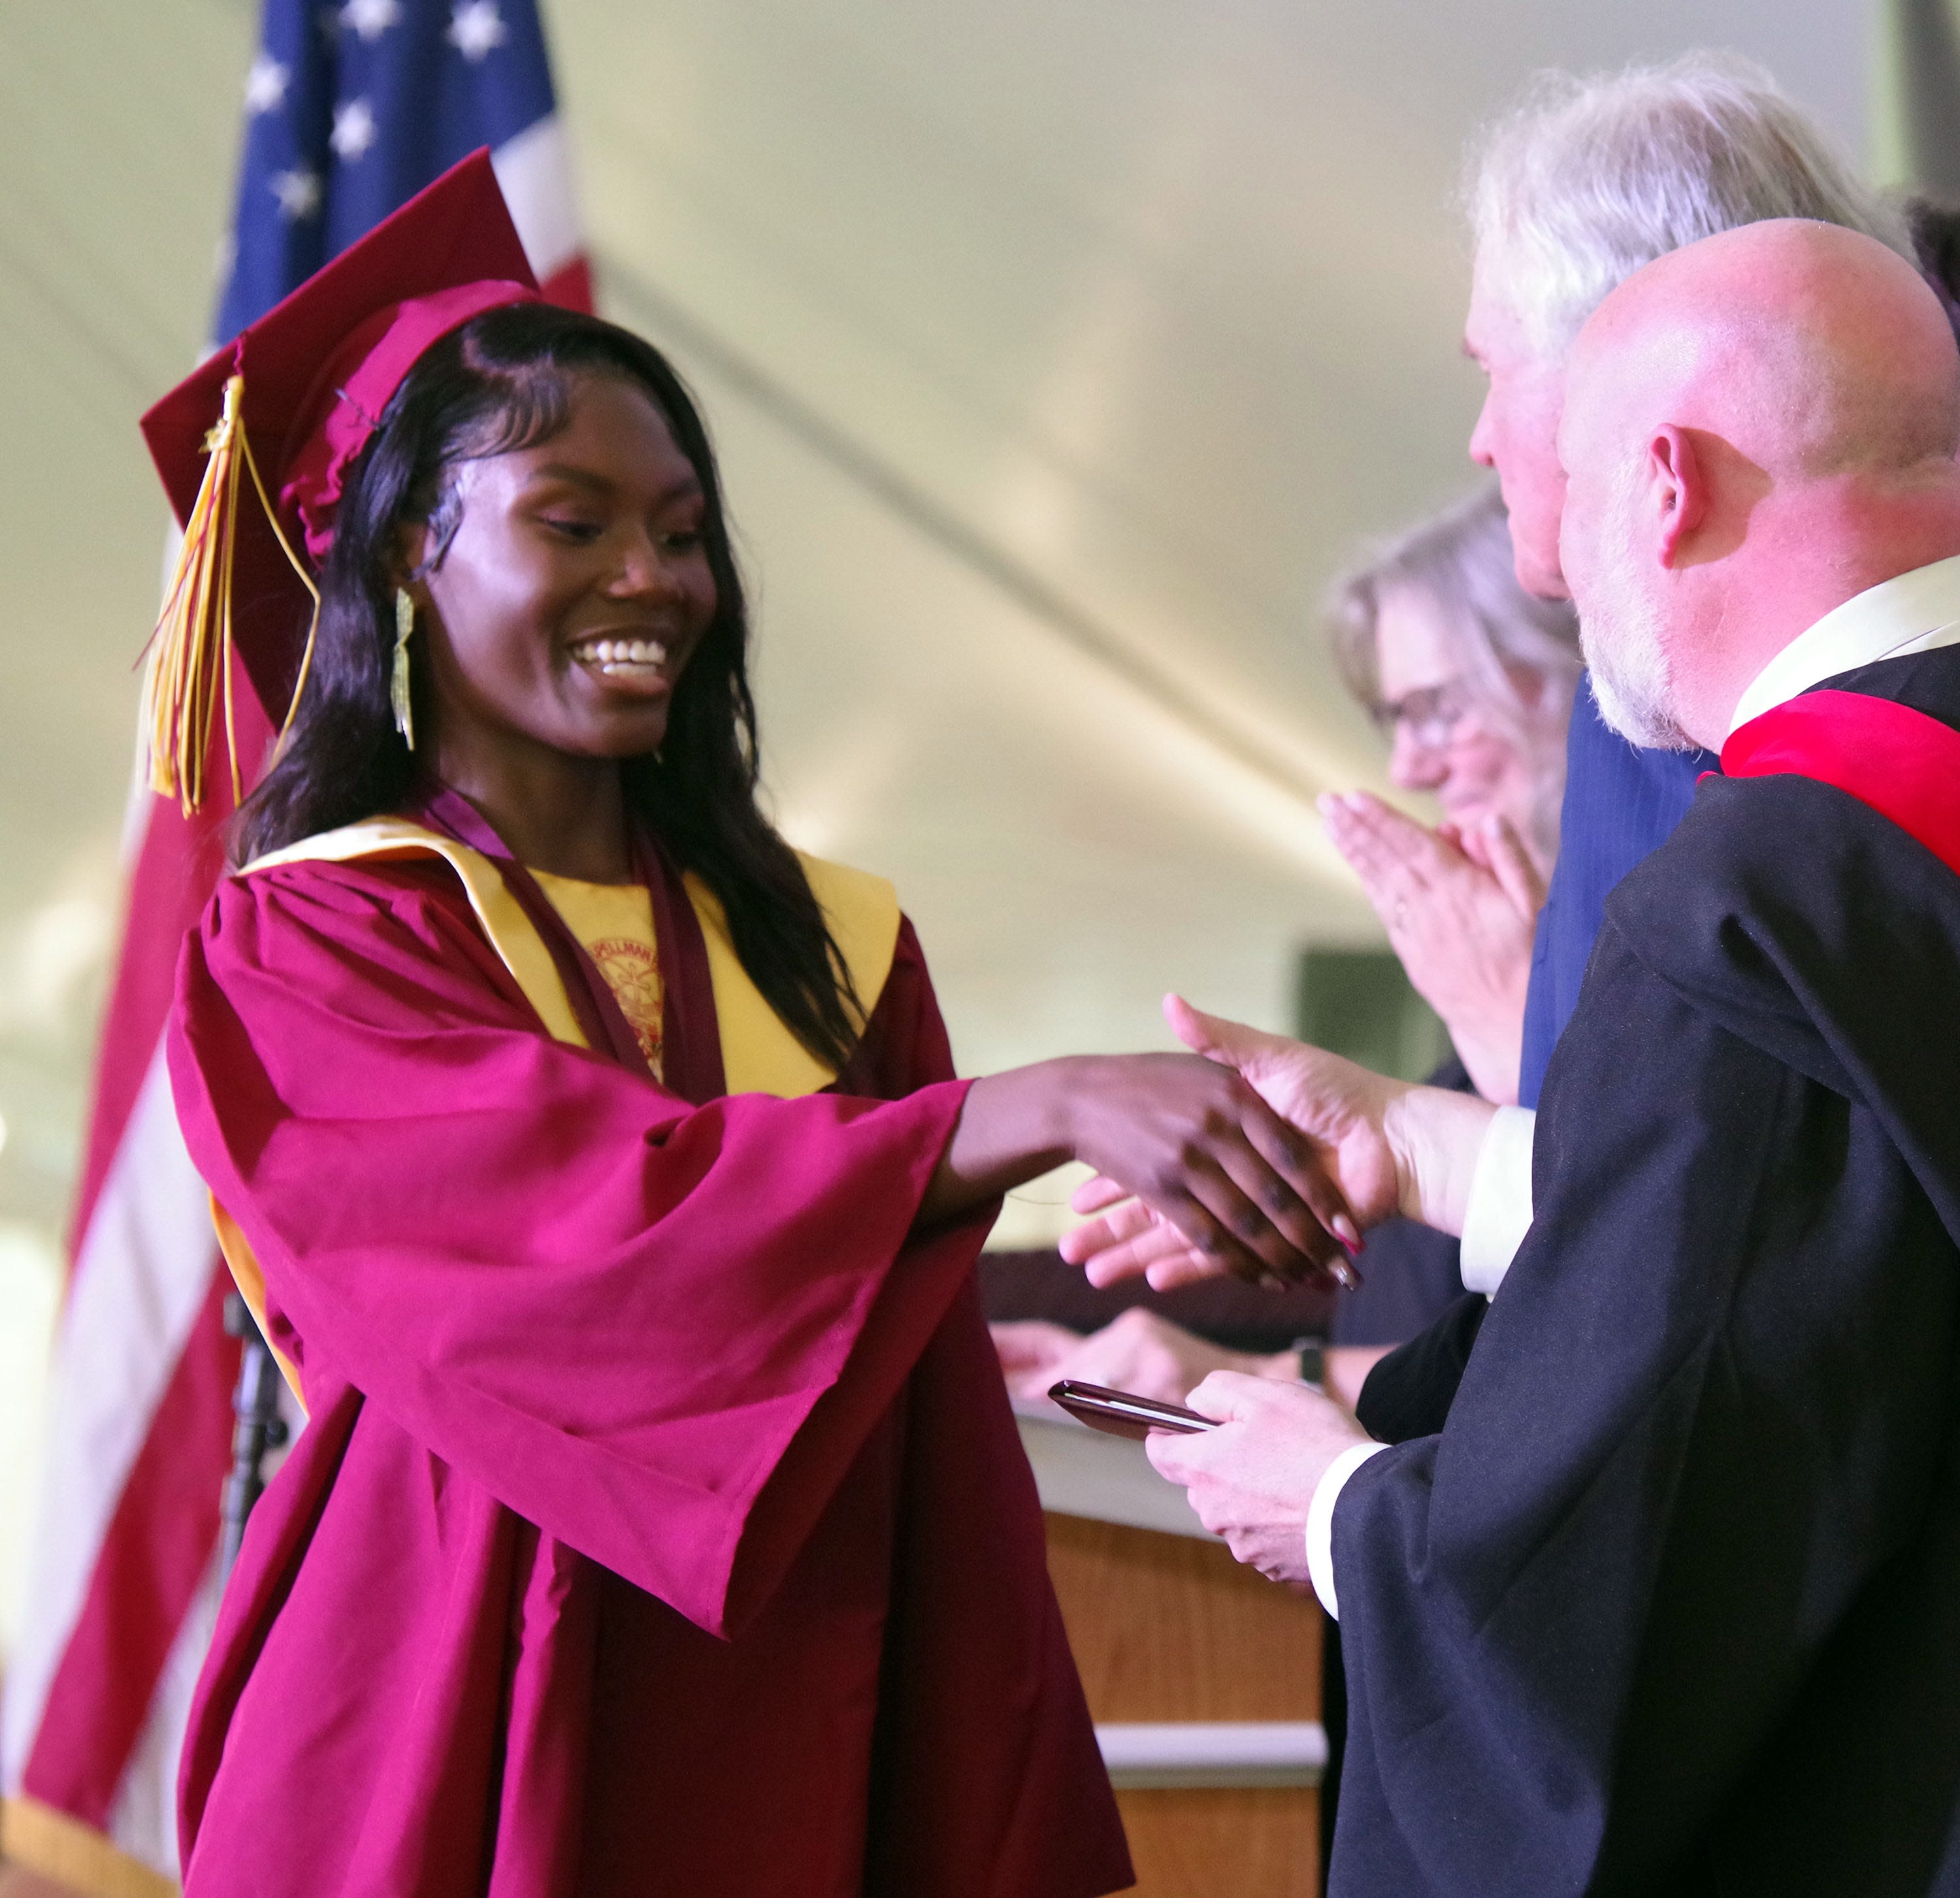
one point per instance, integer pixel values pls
(189, 668)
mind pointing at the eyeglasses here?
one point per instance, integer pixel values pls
(1429, 715)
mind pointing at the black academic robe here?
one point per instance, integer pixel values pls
(1672, 1604)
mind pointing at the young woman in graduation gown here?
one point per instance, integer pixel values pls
(596, 1166)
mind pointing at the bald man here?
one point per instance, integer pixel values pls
(1672, 1605)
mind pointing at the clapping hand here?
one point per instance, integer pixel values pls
(1461, 908)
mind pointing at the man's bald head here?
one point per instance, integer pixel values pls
(1757, 426)
(1810, 350)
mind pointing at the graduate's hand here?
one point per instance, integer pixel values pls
(1340, 1107)
(1137, 1351)
(1392, 1148)
(1461, 908)
(1252, 1478)
(1187, 1137)
(1198, 1146)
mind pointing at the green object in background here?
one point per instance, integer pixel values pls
(1358, 1003)
(1915, 116)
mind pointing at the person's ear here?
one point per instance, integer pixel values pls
(1677, 489)
(413, 541)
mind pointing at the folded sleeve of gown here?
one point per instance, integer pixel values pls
(658, 1331)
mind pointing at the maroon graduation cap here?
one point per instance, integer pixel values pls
(287, 406)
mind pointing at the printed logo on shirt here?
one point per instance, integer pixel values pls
(633, 976)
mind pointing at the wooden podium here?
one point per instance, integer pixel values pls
(1203, 1676)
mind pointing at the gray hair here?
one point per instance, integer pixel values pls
(1587, 180)
(1460, 562)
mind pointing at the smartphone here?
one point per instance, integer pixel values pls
(1122, 1413)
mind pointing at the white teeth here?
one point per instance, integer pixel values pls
(608, 654)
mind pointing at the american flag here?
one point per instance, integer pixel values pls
(350, 109)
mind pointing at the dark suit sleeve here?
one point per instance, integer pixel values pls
(1587, 1627)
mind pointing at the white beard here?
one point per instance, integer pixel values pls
(1620, 635)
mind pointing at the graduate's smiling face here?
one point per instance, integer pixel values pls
(573, 590)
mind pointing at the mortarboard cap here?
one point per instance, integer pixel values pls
(289, 405)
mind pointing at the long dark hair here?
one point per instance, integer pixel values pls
(501, 382)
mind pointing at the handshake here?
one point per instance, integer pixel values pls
(1273, 1185)
(1376, 1148)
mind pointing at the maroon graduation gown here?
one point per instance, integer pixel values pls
(661, 1524)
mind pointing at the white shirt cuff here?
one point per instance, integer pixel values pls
(1320, 1521)
(1499, 1211)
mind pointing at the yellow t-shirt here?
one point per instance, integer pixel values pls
(614, 921)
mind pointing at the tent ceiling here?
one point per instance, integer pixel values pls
(1058, 354)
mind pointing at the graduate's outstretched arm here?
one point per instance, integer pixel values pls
(1391, 1146)
(1190, 1137)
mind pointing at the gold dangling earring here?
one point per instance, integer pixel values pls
(398, 684)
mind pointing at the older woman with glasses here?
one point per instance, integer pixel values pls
(1471, 678)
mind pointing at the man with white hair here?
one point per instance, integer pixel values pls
(1673, 1604)
(1584, 181)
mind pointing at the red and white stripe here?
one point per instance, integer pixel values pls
(121, 1587)
(534, 172)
